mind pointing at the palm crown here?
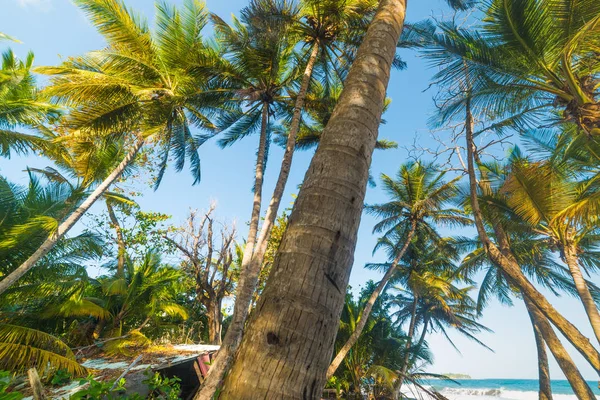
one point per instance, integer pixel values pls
(149, 83)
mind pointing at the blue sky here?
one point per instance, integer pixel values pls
(55, 29)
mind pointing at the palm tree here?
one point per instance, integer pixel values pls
(562, 211)
(143, 294)
(532, 253)
(259, 63)
(427, 281)
(145, 85)
(419, 202)
(530, 56)
(463, 81)
(314, 260)
(378, 348)
(123, 304)
(327, 30)
(20, 106)
(29, 214)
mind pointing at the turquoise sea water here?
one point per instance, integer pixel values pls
(514, 389)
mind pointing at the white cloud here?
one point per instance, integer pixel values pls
(40, 5)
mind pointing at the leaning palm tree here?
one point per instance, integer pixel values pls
(145, 85)
(563, 211)
(462, 80)
(529, 249)
(419, 202)
(258, 52)
(313, 262)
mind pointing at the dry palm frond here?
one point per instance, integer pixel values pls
(22, 348)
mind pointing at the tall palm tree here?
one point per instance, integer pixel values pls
(326, 31)
(532, 253)
(419, 202)
(314, 260)
(561, 210)
(258, 53)
(462, 81)
(144, 85)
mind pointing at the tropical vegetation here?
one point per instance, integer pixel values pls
(503, 208)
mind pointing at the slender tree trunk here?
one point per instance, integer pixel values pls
(246, 284)
(288, 343)
(564, 360)
(337, 361)
(67, 224)
(512, 269)
(286, 165)
(120, 240)
(258, 184)
(423, 335)
(545, 392)
(570, 253)
(213, 316)
(411, 333)
(254, 264)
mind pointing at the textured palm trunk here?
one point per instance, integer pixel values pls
(411, 333)
(545, 392)
(120, 240)
(71, 220)
(337, 361)
(246, 287)
(511, 268)
(289, 341)
(564, 360)
(570, 253)
(260, 248)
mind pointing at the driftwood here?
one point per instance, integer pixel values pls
(36, 384)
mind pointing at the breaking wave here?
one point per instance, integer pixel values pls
(489, 393)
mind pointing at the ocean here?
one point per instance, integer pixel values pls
(509, 389)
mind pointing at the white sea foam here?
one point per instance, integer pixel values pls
(496, 394)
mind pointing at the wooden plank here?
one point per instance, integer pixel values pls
(198, 371)
(36, 384)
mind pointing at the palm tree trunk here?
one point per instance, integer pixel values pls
(120, 240)
(289, 341)
(512, 269)
(246, 284)
(71, 220)
(255, 263)
(258, 184)
(422, 338)
(545, 392)
(589, 304)
(369, 306)
(411, 333)
(564, 360)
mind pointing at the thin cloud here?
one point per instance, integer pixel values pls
(40, 5)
